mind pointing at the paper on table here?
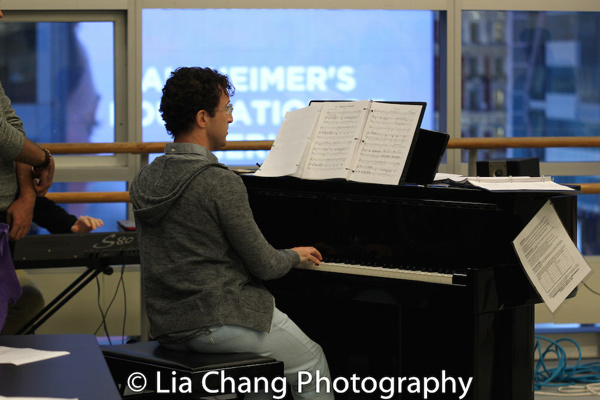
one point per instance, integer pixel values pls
(20, 356)
(549, 257)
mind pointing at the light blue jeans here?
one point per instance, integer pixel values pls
(286, 342)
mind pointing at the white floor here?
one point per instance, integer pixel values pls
(571, 393)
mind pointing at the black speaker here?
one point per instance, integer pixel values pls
(509, 167)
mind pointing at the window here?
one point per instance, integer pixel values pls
(58, 69)
(545, 80)
(546, 83)
(56, 76)
(280, 60)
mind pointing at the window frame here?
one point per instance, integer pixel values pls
(116, 167)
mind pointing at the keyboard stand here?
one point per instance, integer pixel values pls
(95, 266)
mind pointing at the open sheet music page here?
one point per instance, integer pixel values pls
(293, 141)
(550, 258)
(334, 141)
(386, 143)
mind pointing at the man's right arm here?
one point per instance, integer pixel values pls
(14, 146)
(229, 200)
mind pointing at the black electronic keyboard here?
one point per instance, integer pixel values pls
(96, 251)
(414, 281)
(75, 250)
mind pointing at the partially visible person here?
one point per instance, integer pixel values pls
(203, 257)
(26, 170)
(49, 215)
(15, 147)
(20, 184)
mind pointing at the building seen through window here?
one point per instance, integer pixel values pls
(535, 74)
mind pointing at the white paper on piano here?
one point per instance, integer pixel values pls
(551, 260)
(20, 356)
(510, 183)
(334, 140)
(292, 142)
(446, 178)
(383, 152)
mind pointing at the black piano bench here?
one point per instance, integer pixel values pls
(166, 373)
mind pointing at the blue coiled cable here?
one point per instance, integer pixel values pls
(563, 376)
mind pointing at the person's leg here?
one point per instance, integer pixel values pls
(286, 342)
(28, 306)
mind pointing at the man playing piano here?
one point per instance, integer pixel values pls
(202, 255)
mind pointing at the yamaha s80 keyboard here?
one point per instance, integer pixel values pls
(76, 249)
(96, 251)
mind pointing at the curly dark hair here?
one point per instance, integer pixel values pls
(189, 90)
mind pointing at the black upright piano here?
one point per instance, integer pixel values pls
(416, 281)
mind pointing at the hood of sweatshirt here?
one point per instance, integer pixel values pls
(157, 186)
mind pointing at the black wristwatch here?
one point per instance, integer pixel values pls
(46, 161)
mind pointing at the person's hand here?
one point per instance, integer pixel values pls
(43, 178)
(86, 224)
(309, 254)
(19, 215)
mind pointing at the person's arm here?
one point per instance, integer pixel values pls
(43, 168)
(43, 174)
(230, 201)
(20, 213)
(56, 219)
(12, 135)
(51, 216)
(32, 154)
(14, 146)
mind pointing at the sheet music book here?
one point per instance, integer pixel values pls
(362, 141)
(551, 260)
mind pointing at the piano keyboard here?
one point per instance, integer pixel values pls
(390, 273)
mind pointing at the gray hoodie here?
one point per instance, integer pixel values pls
(202, 255)
(12, 138)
